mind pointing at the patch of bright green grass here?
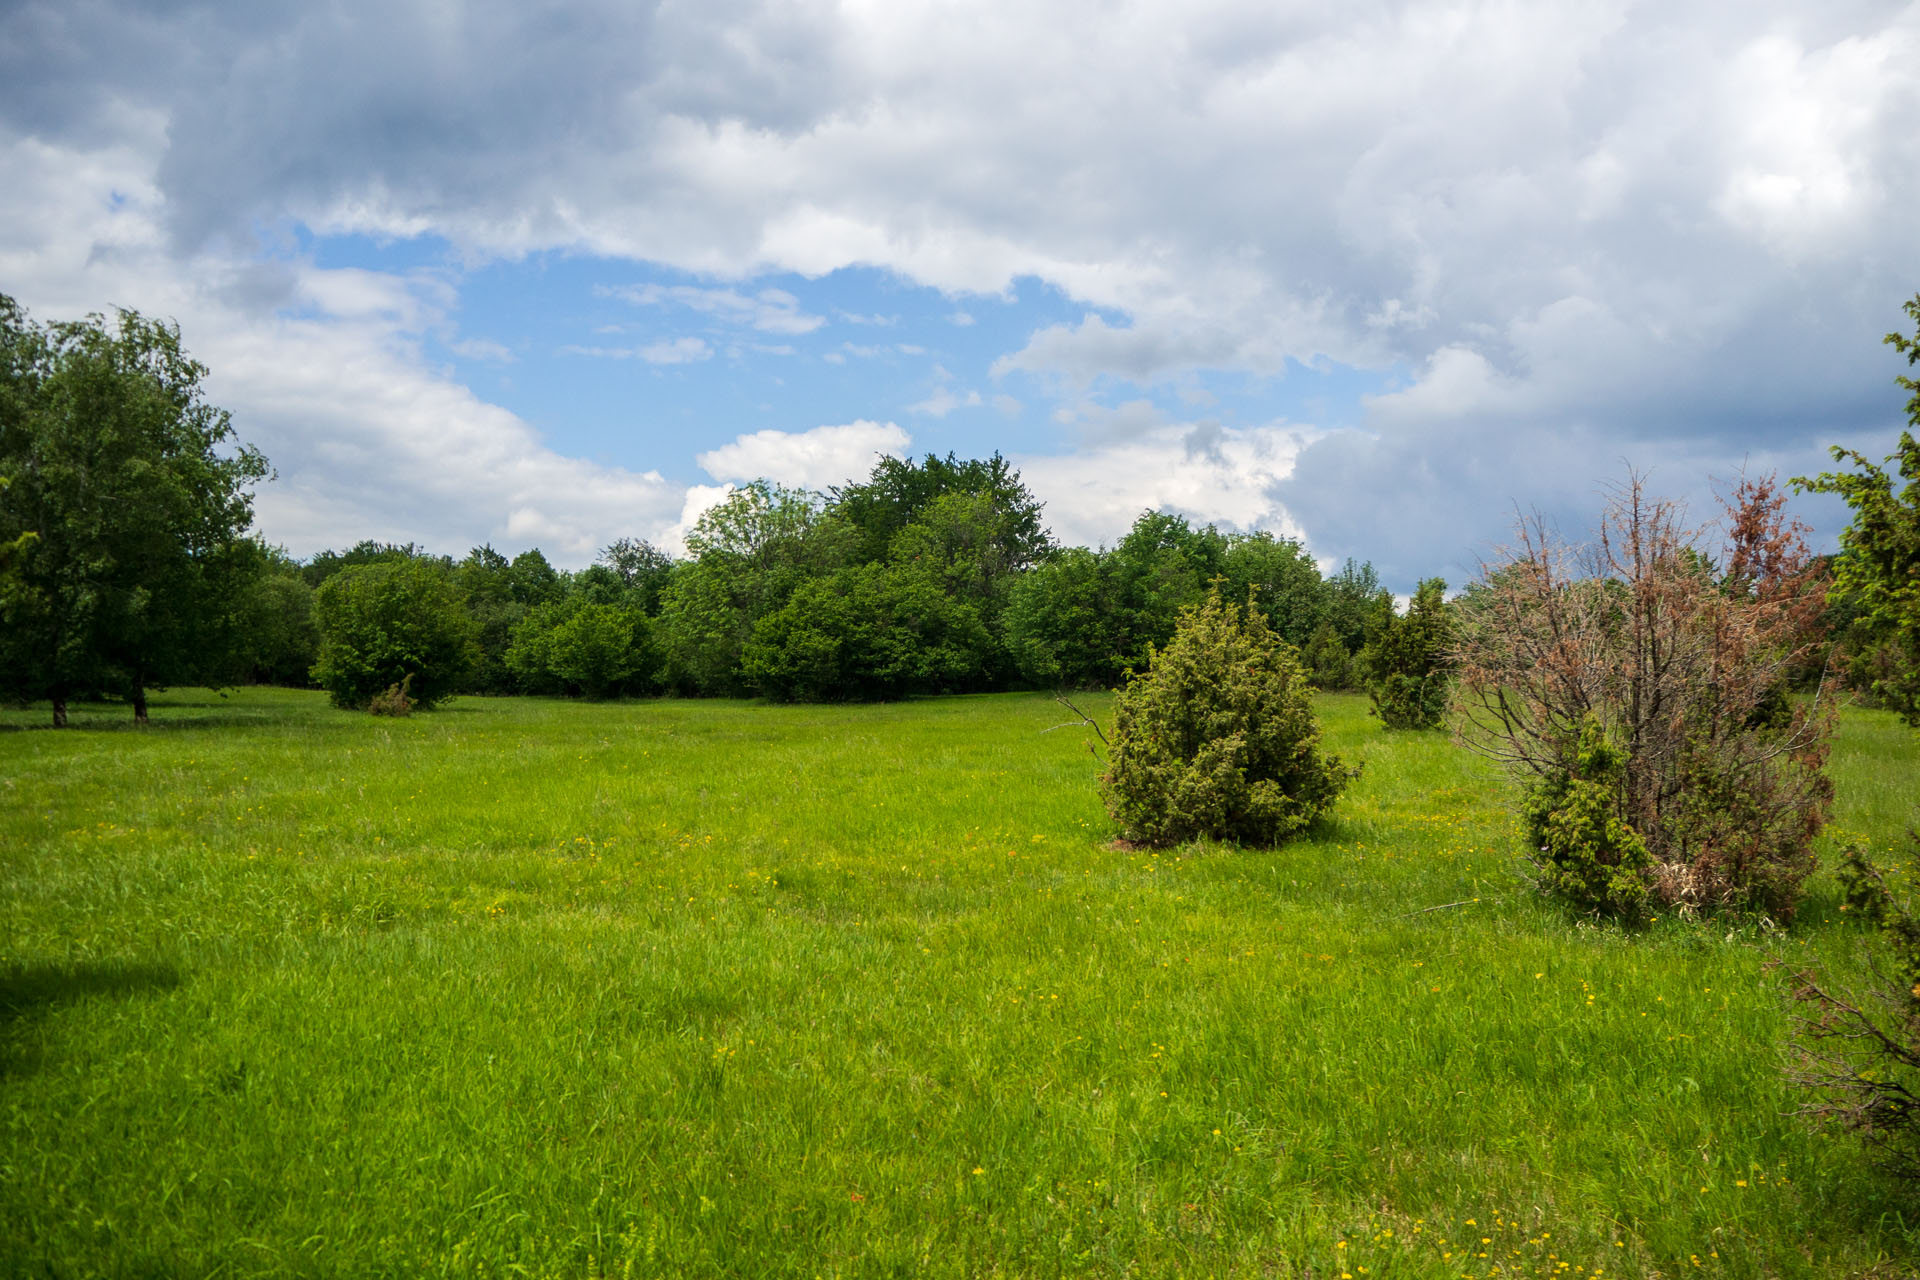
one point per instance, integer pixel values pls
(538, 988)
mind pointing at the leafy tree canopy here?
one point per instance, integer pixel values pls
(137, 499)
(1876, 577)
(390, 622)
(1406, 663)
(324, 564)
(899, 491)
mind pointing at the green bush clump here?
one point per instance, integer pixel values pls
(1585, 851)
(389, 622)
(866, 634)
(1218, 738)
(1330, 666)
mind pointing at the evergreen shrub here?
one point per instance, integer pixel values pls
(1406, 663)
(1218, 737)
(1586, 852)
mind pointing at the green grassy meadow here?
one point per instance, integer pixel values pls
(533, 988)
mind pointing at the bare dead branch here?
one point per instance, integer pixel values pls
(1084, 720)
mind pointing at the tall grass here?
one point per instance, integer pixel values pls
(537, 988)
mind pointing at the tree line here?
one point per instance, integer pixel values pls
(929, 576)
(127, 562)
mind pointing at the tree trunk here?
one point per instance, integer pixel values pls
(139, 702)
(59, 713)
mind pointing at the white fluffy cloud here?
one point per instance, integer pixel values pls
(320, 369)
(815, 459)
(1211, 474)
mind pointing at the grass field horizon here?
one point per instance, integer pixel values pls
(529, 987)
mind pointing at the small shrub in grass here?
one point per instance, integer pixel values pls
(1859, 1055)
(1218, 737)
(394, 702)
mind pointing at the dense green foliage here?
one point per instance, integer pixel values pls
(578, 646)
(866, 633)
(1329, 664)
(1350, 609)
(1217, 738)
(901, 493)
(1406, 661)
(1577, 836)
(123, 512)
(389, 621)
(541, 989)
(935, 576)
(1876, 580)
(930, 577)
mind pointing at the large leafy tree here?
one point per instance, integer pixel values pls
(10, 553)
(274, 640)
(325, 564)
(1061, 625)
(865, 633)
(1279, 578)
(485, 583)
(1162, 566)
(138, 499)
(750, 553)
(579, 645)
(1876, 577)
(642, 568)
(1083, 618)
(900, 491)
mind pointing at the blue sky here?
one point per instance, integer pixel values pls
(1377, 276)
(636, 364)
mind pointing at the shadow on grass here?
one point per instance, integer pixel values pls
(28, 992)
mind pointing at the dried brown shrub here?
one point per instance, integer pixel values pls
(1677, 641)
(396, 701)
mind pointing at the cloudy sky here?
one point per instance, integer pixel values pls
(1366, 273)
